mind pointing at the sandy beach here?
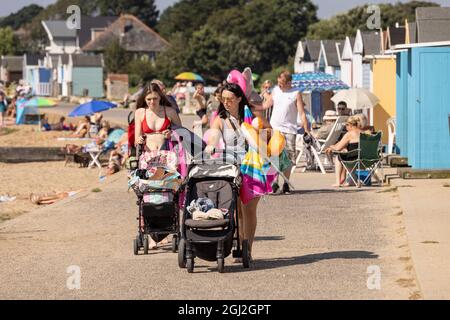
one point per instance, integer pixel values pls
(20, 180)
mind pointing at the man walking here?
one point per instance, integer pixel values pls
(287, 105)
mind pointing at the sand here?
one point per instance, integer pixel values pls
(20, 180)
(30, 136)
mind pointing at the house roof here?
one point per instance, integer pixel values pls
(332, 52)
(12, 63)
(81, 60)
(89, 23)
(312, 50)
(433, 24)
(58, 29)
(133, 35)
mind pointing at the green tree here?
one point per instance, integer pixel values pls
(340, 26)
(174, 60)
(8, 41)
(273, 27)
(213, 54)
(187, 16)
(21, 17)
(145, 10)
(116, 57)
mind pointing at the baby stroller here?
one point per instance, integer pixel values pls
(211, 240)
(157, 187)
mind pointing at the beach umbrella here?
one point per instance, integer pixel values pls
(39, 102)
(91, 107)
(189, 76)
(356, 98)
(317, 81)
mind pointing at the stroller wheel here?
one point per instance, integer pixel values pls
(174, 243)
(190, 265)
(135, 247)
(145, 245)
(221, 265)
(182, 253)
(245, 254)
(139, 240)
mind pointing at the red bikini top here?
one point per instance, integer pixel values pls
(147, 130)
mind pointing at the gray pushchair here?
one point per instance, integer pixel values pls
(212, 239)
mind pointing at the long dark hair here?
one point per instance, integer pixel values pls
(150, 88)
(223, 113)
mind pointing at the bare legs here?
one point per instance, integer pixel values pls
(248, 221)
(339, 172)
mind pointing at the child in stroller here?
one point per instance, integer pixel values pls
(156, 183)
(210, 224)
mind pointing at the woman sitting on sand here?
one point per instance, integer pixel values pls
(82, 128)
(154, 118)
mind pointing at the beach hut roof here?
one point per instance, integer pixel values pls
(412, 27)
(81, 60)
(395, 36)
(433, 24)
(12, 63)
(312, 50)
(347, 48)
(32, 59)
(133, 34)
(330, 48)
(371, 42)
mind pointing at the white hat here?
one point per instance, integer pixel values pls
(330, 115)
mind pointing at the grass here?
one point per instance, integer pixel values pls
(430, 242)
(96, 190)
(446, 185)
(6, 131)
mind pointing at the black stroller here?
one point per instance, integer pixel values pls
(159, 210)
(212, 240)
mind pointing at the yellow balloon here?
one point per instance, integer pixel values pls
(276, 144)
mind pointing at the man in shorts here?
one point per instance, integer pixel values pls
(287, 105)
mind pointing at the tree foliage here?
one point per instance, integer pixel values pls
(21, 17)
(8, 41)
(145, 10)
(340, 26)
(116, 57)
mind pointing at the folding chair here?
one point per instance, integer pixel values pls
(369, 157)
(318, 146)
(95, 151)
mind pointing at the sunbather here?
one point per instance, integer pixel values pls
(82, 128)
(51, 198)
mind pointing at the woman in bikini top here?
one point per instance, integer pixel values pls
(154, 118)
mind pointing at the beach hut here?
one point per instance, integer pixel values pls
(311, 56)
(346, 61)
(299, 54)
(83, 76)
(11, 69)
(383, 83)
(330, 57)
(423, 95)
(423, 105)
(366, 44)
